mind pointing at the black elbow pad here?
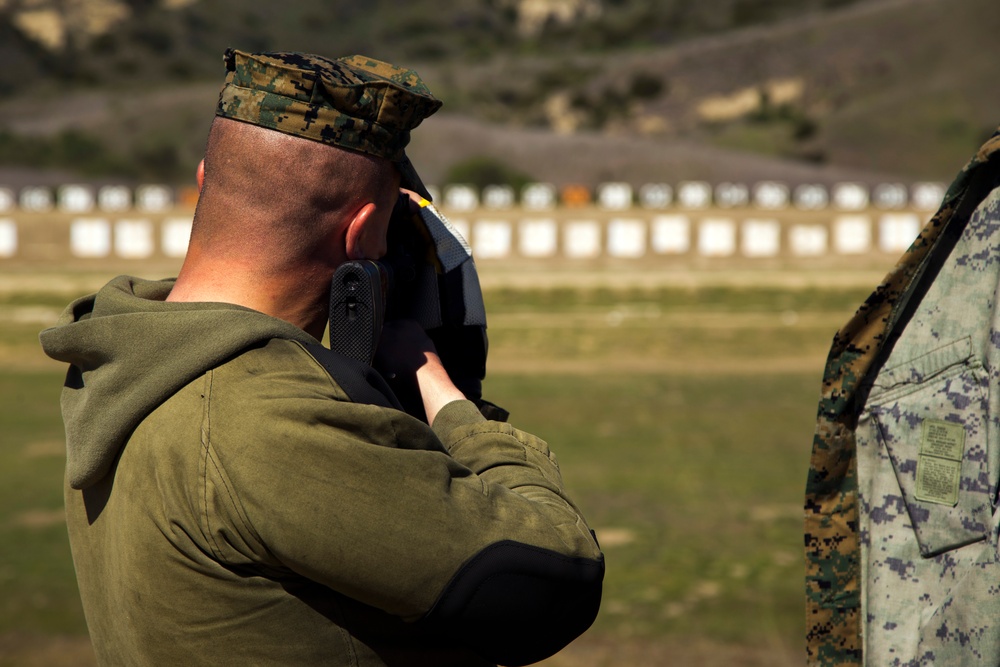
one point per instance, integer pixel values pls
(515, 604)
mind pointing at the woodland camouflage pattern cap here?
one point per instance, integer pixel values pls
(357, 103)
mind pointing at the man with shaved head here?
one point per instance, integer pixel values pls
(274, 248)
(238, 494)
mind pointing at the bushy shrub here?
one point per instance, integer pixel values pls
(76, 151)
(481, 171)
(646, 86)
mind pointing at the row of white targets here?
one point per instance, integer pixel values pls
(623, 237)
(768, 195)
(679, 234)
(86, 199)
(891, 229)
(534, 196)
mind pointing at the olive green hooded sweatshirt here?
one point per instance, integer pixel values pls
(230, 502)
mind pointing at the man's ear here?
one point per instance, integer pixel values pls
(357, 240)
(199, 174)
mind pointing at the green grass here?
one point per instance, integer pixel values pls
(650, 329)
(716, 299)
(703, 477)
(692, 479)
(36, 573)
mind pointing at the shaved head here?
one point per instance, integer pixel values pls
(277, 199)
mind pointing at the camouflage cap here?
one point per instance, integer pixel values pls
(357, 103)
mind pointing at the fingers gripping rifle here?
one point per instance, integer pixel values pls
(427, 275)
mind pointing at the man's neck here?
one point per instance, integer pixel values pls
(295, 297)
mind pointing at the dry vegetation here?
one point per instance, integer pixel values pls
(874, 89)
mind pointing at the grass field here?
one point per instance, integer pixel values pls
(682, 418)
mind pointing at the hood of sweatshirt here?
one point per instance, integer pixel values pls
(129, 350)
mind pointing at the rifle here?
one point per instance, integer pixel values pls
(427, 275)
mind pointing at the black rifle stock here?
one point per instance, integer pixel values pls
(357, 308)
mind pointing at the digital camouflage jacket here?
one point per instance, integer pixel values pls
(237, 494)
(900, 510)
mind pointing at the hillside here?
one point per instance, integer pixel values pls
(801, 91)
(100, 42)
(898, 86)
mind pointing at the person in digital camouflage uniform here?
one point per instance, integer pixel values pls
(901, 525)
(236, 497)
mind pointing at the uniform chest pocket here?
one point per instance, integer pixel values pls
(930, 415)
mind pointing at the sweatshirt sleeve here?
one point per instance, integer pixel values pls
(512, 589)
(466, 527)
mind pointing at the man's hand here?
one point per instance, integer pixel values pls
(415, 199)
(406, 351)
